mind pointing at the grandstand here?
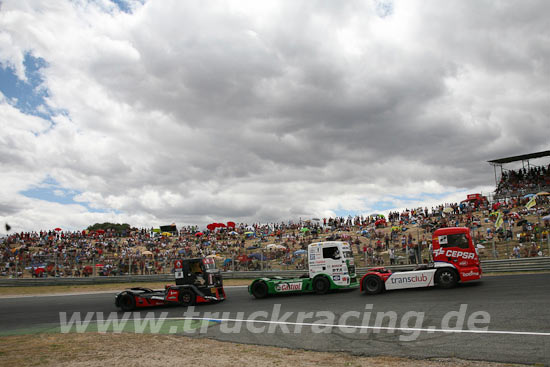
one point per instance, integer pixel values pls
(529, 179)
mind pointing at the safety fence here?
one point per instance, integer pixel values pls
(489, 266)
(108, 266)
(516, 265)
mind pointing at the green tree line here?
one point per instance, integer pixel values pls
(117, 227)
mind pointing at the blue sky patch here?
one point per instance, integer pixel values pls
(124, 5)
(29, 96)
(384, 8)
(396, 201)
(423, 196)
(383, 205)
(50, 190)
(346, 213)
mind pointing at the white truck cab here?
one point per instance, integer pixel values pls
(333, 259)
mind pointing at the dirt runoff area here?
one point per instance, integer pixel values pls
(94, 349)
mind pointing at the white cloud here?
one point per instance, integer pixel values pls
(255, 111)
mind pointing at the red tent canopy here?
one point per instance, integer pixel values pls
(243, 258)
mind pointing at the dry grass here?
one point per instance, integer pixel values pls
(165, 350)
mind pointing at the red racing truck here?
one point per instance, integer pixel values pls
(475, 199)
(454, 260)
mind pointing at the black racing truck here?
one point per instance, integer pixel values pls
(197, 281)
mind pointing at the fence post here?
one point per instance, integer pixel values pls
(494, 249)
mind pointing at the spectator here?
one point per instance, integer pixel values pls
(392, 256)
(412, 255)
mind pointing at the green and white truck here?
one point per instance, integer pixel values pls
(330, 265)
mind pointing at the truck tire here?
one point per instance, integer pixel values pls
(446, 278)
(259, 289)
(127, 302)
(372, 284)
(186, 297)
(321, 285)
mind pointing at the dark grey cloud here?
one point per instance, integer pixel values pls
(271, 112)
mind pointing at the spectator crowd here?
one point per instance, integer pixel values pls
(523, 181)
(401, 237)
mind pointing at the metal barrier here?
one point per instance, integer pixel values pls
(488, 266)
(516, 265)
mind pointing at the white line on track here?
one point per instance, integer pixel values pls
(430, 329)
(344, 326)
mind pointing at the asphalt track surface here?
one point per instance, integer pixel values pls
(518, 331)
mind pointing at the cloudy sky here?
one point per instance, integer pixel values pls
(153, 112)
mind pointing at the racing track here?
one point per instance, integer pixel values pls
(516, 303)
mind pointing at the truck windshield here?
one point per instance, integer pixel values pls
(347, 254)
(456, 240)
(210, 266)
(331, 252)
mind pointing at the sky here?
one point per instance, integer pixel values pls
(190, 112)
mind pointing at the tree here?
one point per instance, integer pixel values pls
(116, 227)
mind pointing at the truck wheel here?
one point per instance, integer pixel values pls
(186, 297)
(321, 285)
(259, 289)
(127, 302)
(372, 284)
(446, 278)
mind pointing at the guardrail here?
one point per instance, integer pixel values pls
(489, 266)
(514, 265)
